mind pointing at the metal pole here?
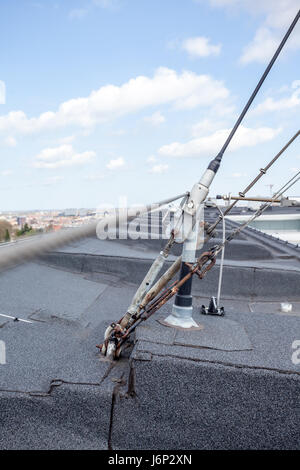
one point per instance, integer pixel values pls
(182, 310)
(254, 199)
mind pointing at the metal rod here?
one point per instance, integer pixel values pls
(261, 81)
(199, 192)
(262, 172)
(21, 251)
(222, 256)
(256, 199)
(147, 283)
(258, 213)
(161, 283)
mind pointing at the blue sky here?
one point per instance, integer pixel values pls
(102, 99)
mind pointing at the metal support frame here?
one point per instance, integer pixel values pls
(182, 310)
(254, 199)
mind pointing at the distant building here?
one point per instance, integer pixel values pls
(287, 202)
(21, 220)
(70, 212)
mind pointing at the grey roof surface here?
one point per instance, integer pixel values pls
(241, 338)
(230, 385)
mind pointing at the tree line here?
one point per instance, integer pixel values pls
(7, 232)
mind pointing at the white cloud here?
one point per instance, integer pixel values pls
(53, 180)
(270, 104)
(200, 47)
(184, 91)
(118, 132)
(222, 110)
(211, 144)
(261, 48)
(155, 119)
(159, 169)
(94, 177)
(110, 4)
(78, 13)
(6, 173)
(294, 170)
(10, 141)
(238, 175)
(151, 159)
(2, 92)
(278, 14)
(205, 126)
(114, 164)
(62, 156)
(67, 140)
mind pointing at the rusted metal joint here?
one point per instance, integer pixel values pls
(201, 262)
